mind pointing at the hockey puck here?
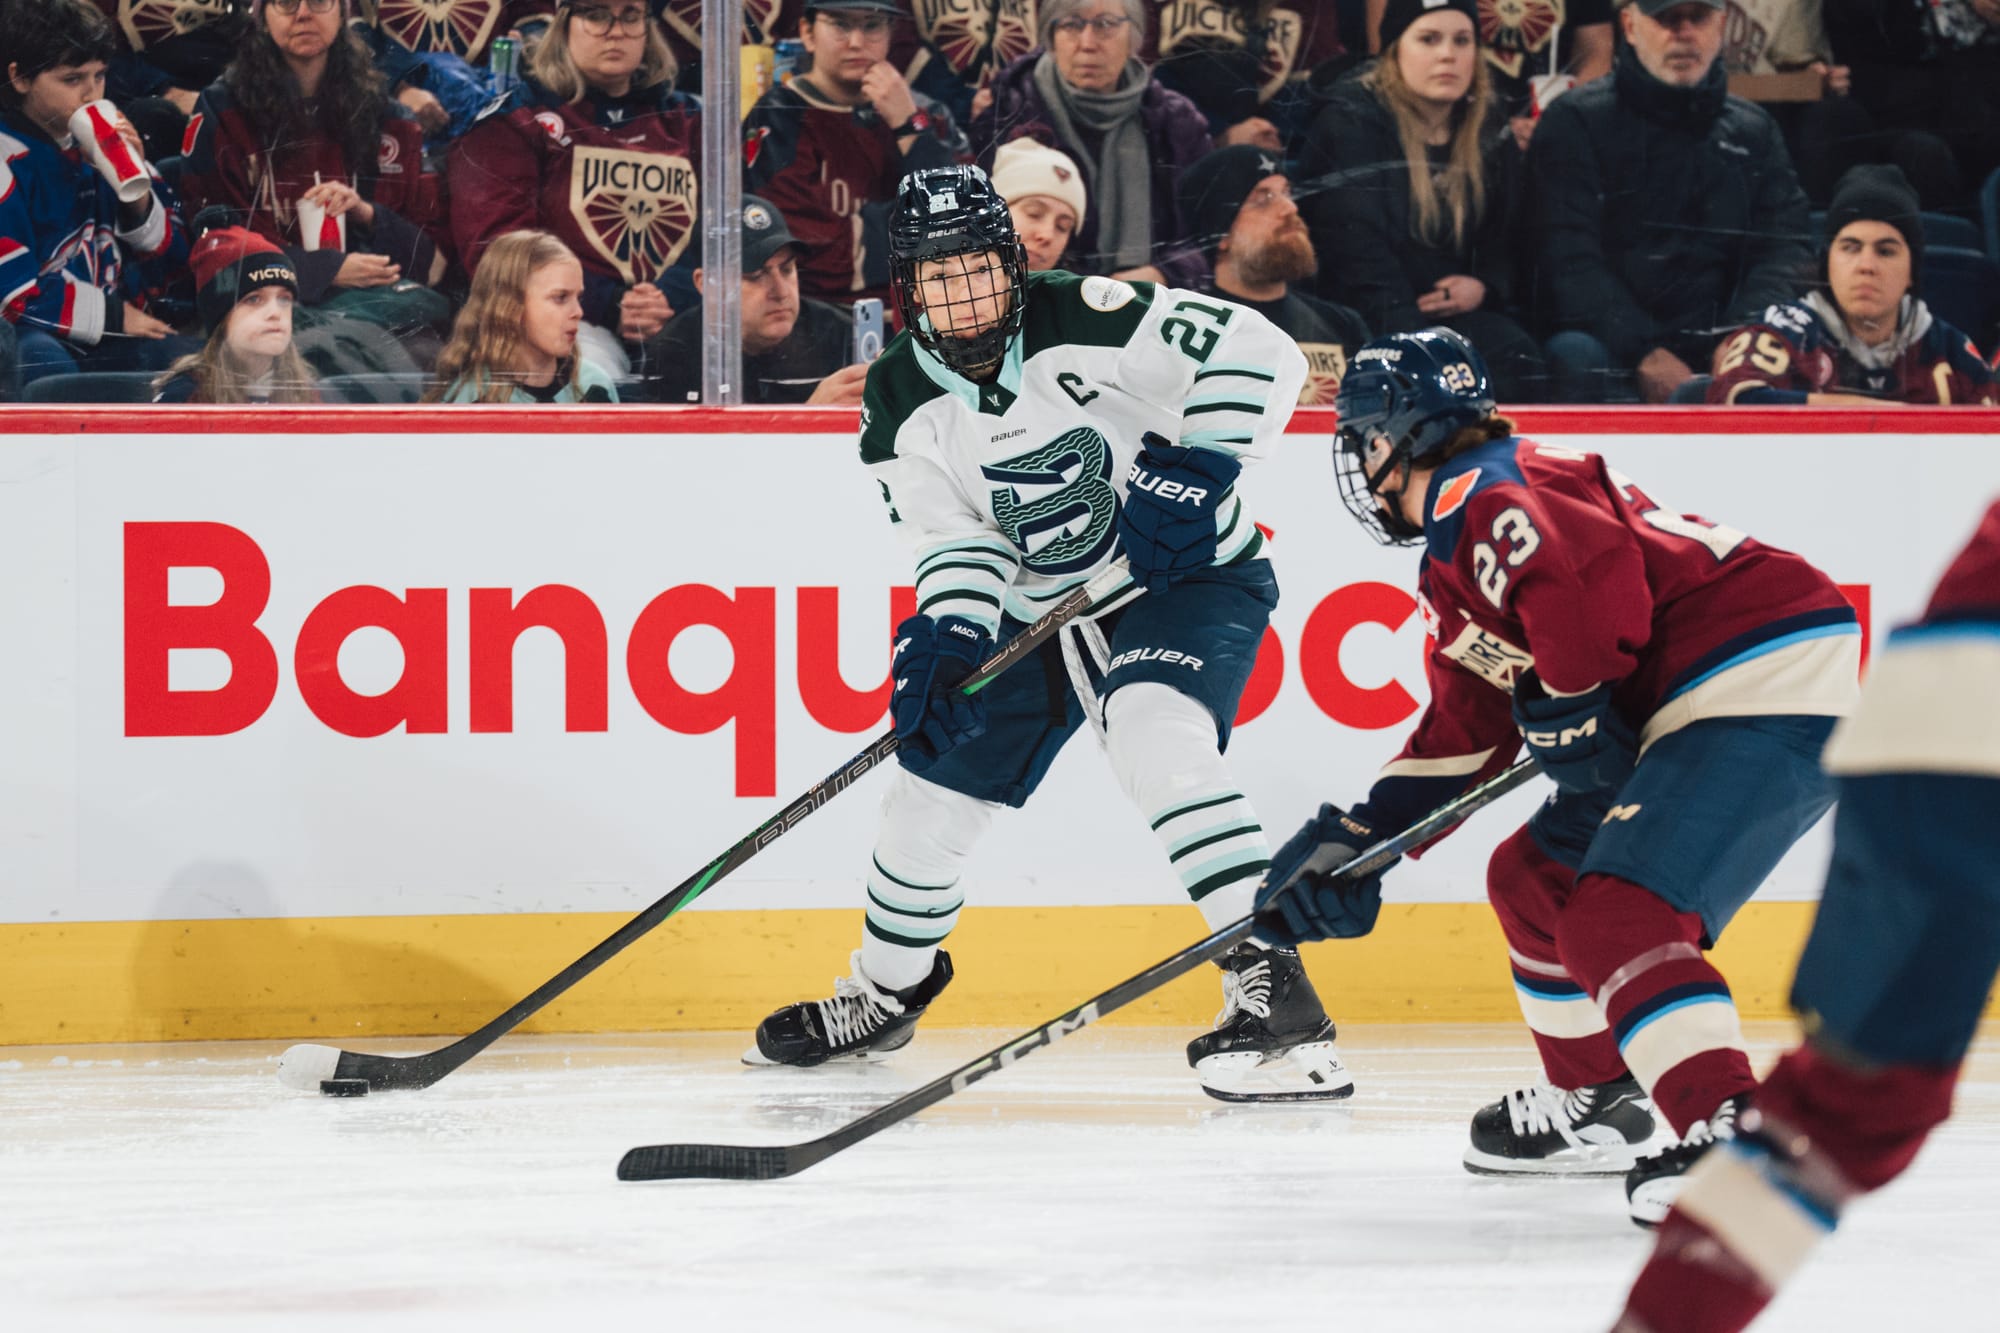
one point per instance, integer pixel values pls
(344, 1087)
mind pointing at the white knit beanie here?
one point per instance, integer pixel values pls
(1023, 167)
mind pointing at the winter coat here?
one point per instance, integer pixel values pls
(1665, 215)
(1355, 187)
(1176, 133)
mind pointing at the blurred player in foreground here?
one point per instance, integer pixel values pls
(1894, 976)
(1676, 678)
(1024, 428)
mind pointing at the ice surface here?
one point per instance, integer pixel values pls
(1091, 1187)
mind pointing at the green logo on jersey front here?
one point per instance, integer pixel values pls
(1070, 528)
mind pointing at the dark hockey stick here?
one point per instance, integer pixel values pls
(308, 1066)
(712, 1161)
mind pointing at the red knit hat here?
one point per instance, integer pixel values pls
(231, 262)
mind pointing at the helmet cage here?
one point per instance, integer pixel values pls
(981, 352)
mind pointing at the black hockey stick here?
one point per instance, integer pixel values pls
(714, 1161)
(308, 1066)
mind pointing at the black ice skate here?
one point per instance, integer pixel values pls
(1272, 1041)
(862, 1022)
(1597, 1130)
(1654, 1182)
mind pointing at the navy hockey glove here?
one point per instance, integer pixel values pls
(931, 714)
(1580, 741)
(1167, 523)
(1305, 897)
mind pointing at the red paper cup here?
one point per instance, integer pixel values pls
(95, 129)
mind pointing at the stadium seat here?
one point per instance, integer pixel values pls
(377, 387)
(1962, 287)
(1692, 390)
(1955, 232)
(98, 386)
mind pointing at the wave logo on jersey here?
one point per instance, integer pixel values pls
(1515, 29)
(459, 27)
(1056, 503)
(150, 22)
(1456, 492)
(959, 30)
(636, 209)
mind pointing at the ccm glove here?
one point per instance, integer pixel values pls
(1579, 740)
(1305, 897)
(1167, 523)
(931, 714)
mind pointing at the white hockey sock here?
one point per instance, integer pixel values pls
(926, 835)
(1163, 749)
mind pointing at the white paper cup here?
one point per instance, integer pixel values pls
(95, 129)
(317, 231)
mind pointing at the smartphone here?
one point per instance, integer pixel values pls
(867, 331)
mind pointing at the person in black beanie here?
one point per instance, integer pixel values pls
(1238, 202)
(1863, 333)
(1414, 181)
(1667, 210)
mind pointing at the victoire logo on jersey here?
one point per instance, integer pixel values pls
(637, 208)
(1488, 656)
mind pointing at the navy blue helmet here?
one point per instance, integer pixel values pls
(954, 215)
(1414, 391)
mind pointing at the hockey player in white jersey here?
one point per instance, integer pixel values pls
(1026, 430)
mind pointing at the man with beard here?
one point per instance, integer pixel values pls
(1239, 202)
(795, 350)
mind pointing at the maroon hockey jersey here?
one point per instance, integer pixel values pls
(1547, 557)
(1803, 347)
(832, 171)
(1972, 584)
(461, 27)
(614, 178)
(1295, 36)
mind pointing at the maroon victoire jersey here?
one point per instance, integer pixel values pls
(832, 170)
(614, 178)
(460, 27)
(1296, 35)
(1972, 584)
(1546, 557)
(1803, 347)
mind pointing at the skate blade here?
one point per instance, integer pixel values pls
(1308, 1072)
(756, 1059)
(1595, 1161)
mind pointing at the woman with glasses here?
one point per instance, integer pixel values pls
(829, 147)
(596, 148)
(1415, 176)
(1087, 93)
(299, 142)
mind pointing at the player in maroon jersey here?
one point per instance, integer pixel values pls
(1676, 678)
(1893, 981)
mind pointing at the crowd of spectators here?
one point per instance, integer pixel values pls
(1737, 201)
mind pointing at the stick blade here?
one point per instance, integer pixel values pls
(703, 1161)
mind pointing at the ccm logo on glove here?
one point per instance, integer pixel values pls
(1566, 736)
(1162, 488)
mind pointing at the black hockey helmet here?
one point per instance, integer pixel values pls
(1416, 390)
(944, 213)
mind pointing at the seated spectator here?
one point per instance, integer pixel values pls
(597, 148)
(1414, 215)
(299, 125)
(1240, 203)
(1243, 62)
(78, 266)
(794, 350)
(952, 51)
(10, 363)
(828, 148)
(244, 291)
(433, 82)
(1088, 94)
(1667, 210)
(516, 339)
(1534, 52)
(1927, 73)
(166, 55)
(1862, 334)
(1044, 194)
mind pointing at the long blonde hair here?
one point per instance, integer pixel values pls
(552, 66)
(219, 379)
(1445, 207)
(486, 338)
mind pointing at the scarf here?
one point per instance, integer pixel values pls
(1121, 173)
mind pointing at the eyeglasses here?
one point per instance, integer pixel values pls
(1103, 26)
(292, 6)
(870, 25)
(598, 21)
(1265, 196)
